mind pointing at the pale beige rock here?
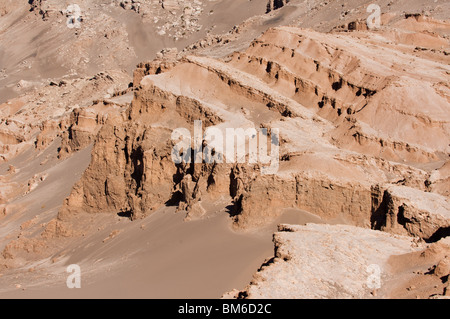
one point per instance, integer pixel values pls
(443, 267)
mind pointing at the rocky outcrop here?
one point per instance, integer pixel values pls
(259, 199)
(45, 8)
(405, 210)
(298, 81)
(324, 261)
(170, 4)
(357, 124)
(317, 71)
(131, 5)
(166, 59)
(177, 19)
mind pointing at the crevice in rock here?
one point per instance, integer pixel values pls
(401, 219)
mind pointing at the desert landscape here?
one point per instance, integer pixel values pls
(235, 149)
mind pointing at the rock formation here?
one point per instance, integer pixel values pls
(304, 255)
(356, 121)
(322, 115)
